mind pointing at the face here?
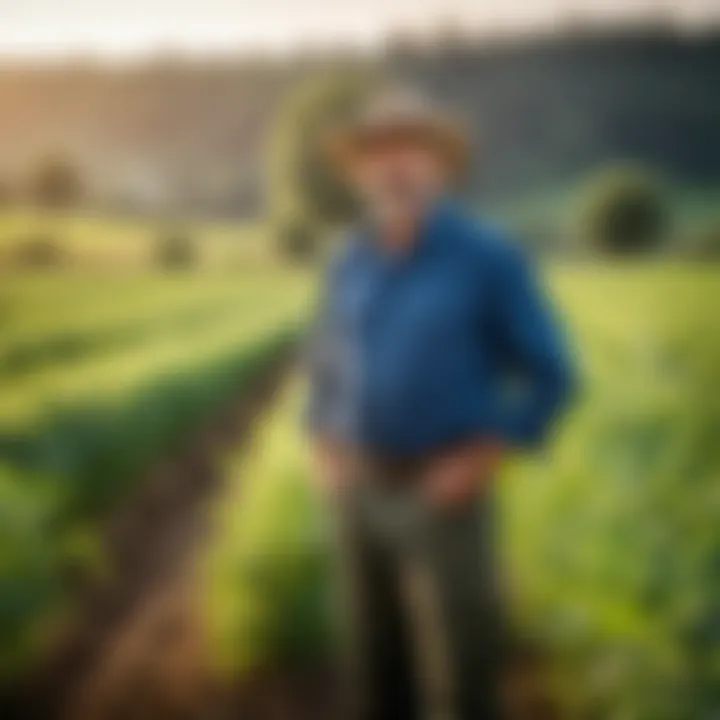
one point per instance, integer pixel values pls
(397, 178)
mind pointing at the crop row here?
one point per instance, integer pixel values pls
(74, 436)
(266, 576)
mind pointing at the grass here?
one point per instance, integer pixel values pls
(611, 535)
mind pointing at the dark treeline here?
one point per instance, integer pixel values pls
(177, 131)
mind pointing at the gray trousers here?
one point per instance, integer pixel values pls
(425, 638)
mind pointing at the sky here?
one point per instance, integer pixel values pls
(138, 27)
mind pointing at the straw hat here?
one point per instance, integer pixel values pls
(406, 115)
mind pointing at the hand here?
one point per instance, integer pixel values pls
(457, 478)
(332, 467)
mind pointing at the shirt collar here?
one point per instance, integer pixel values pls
(430, 230)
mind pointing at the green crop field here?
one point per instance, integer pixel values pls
(612, 537)
(99, 377)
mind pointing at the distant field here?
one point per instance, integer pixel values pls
(99, 377)
(612, 535)
(96, 240)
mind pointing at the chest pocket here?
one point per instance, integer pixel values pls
(437, 314)
(356, 303)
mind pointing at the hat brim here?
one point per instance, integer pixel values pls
(445, 138)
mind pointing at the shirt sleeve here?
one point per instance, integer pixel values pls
(318, 363)
(534, 347)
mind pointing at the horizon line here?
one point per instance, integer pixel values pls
(577, 24)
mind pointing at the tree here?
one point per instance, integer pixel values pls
(625, 211)
(297, 240)
(704, 244)
(176, 250)
(56, 183)
(7, 191)
(40, 250)
(304, 190)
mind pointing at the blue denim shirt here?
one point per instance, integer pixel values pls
(451, 342)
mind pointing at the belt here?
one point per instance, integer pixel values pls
(394, 470)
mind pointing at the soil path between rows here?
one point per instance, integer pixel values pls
(137, 651)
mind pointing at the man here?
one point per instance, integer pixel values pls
(435, 355)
